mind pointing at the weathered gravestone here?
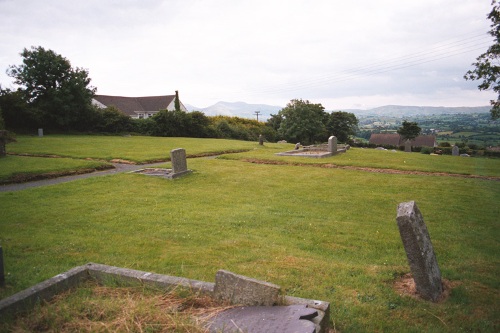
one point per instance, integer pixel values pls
(40, 132)
(332, 144)
(408, 146)
(179, 163)
(261, 140)
(455, 151)
(259, 319)
(297, 146)
(242, 290)
(419, 251)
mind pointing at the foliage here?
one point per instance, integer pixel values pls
(409, 130)
(342, 124)
(240, 128)
(177, 103)
(2, 122)
(16, 112)
(303, 122)
(181, 124)
(487, 67)
(112, 120)
(59, 94)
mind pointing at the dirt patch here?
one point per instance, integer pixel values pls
(375, 170)
(405, 285)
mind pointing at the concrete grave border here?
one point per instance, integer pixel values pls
(46, 290)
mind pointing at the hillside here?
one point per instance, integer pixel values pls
(245, 110)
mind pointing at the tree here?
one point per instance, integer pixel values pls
(303, 122)
(342, 125)
(409, 130)
(487, 65)
(60, 93)
(177, 103)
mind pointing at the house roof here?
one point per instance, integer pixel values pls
(385, 139)
(397, 140)
(129, 105)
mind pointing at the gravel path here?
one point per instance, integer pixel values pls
(119, 168)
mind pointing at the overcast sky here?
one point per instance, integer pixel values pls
(340, 53)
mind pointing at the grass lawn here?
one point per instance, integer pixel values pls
(15, 168)
(387, 159)
(138, 149)
(327, 234)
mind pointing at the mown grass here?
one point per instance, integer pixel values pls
(327, 234)
(387, 159)
(138, 149)
(19, 168)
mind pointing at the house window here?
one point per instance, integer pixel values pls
(141, 116)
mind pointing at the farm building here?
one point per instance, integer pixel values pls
(397, 140)
(138, 107)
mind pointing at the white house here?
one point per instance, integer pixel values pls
(138, 107)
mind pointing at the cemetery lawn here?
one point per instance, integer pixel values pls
(22, 168)
(320, 233)
(137, 149)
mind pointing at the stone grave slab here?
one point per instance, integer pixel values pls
(259, 319)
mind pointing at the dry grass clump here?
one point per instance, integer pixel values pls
(97, 308)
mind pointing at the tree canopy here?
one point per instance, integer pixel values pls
(58, 93)
(302, 121)
(409, 130)
(342, 124)
(487, 67)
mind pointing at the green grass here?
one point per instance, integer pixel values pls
(327, 234)
(134, 148)
(21, 167)
(387, 159)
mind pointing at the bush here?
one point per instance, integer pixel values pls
(427, 150)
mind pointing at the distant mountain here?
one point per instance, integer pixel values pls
(402, 111)
(245, 110)
(237, 109)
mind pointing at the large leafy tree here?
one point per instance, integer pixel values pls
(487, 65)
(409, 130)
(342, 125)
(59, 93)
(303, 122)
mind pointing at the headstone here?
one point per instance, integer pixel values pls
(179, 163)
(419, 251)
(408, 146)
(241, 290)
(297, 145)
(259, 319)
(455, 151)
(332, 144)
(2, 272)
(40, 132)
(261, 140)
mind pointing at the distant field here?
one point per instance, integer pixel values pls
(320, 233)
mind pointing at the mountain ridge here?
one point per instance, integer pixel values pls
(246, 110)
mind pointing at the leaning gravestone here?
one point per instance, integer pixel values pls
(332, 144)
(408, 146)
(419, 251)
(179, 163)
(455, 151)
